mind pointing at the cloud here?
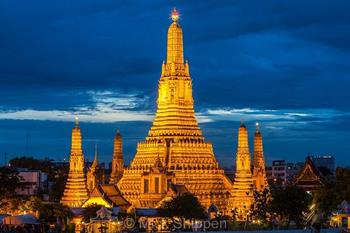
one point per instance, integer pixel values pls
(105, 106)
(249, 114)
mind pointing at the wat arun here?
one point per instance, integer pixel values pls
(175, 151)
(174, 158)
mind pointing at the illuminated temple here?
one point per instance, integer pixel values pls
(175, 151)
(173, 159)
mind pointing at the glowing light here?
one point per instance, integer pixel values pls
(76, 120)
(175, 15)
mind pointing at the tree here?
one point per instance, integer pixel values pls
(290, 203)
(56, 174)
(327, 198)
(185, 206)
(44, 165)
(51, 211)
(90, 211)
(9, 182)
(261, 209)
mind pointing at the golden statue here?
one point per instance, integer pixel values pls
(242, 191)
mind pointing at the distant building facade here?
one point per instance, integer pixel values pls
(34, 182)
(277, 172)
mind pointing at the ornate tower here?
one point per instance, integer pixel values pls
(93, 174)
(117, 162)
(259, 174)
(176, 140)
(75, 192)
(242, 192)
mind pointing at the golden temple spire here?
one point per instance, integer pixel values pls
(259, 173)
(175, 151)
(117, 161)
(242, 193)
(175, 42)
(75, 192)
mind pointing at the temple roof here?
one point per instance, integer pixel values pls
(110, 193)
(309, 177)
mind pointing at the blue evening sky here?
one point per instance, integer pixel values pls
(285, 64)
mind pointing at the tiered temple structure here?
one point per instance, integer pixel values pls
(75, 192)
(175, 151)
(242, 191)
(259, 173)
(174, 159)
(117, 162)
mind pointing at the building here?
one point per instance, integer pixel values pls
(174, 158)
(341, 216)
(34, 181)
(175, 150)
(75, 192)
(277, 173)
(324, 162)
(107, 195)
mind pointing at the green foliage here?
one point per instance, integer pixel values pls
(184, 206)
(290, 203)
(9, 182)
(31, 163)
(327, 198)
(50, 212)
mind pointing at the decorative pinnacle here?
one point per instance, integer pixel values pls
(242, 122)
(175, 15)
(257, 126)
(76, 121)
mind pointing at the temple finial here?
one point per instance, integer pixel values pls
(76, 119)
(257, 125)
(242, 122)
(175, 15)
